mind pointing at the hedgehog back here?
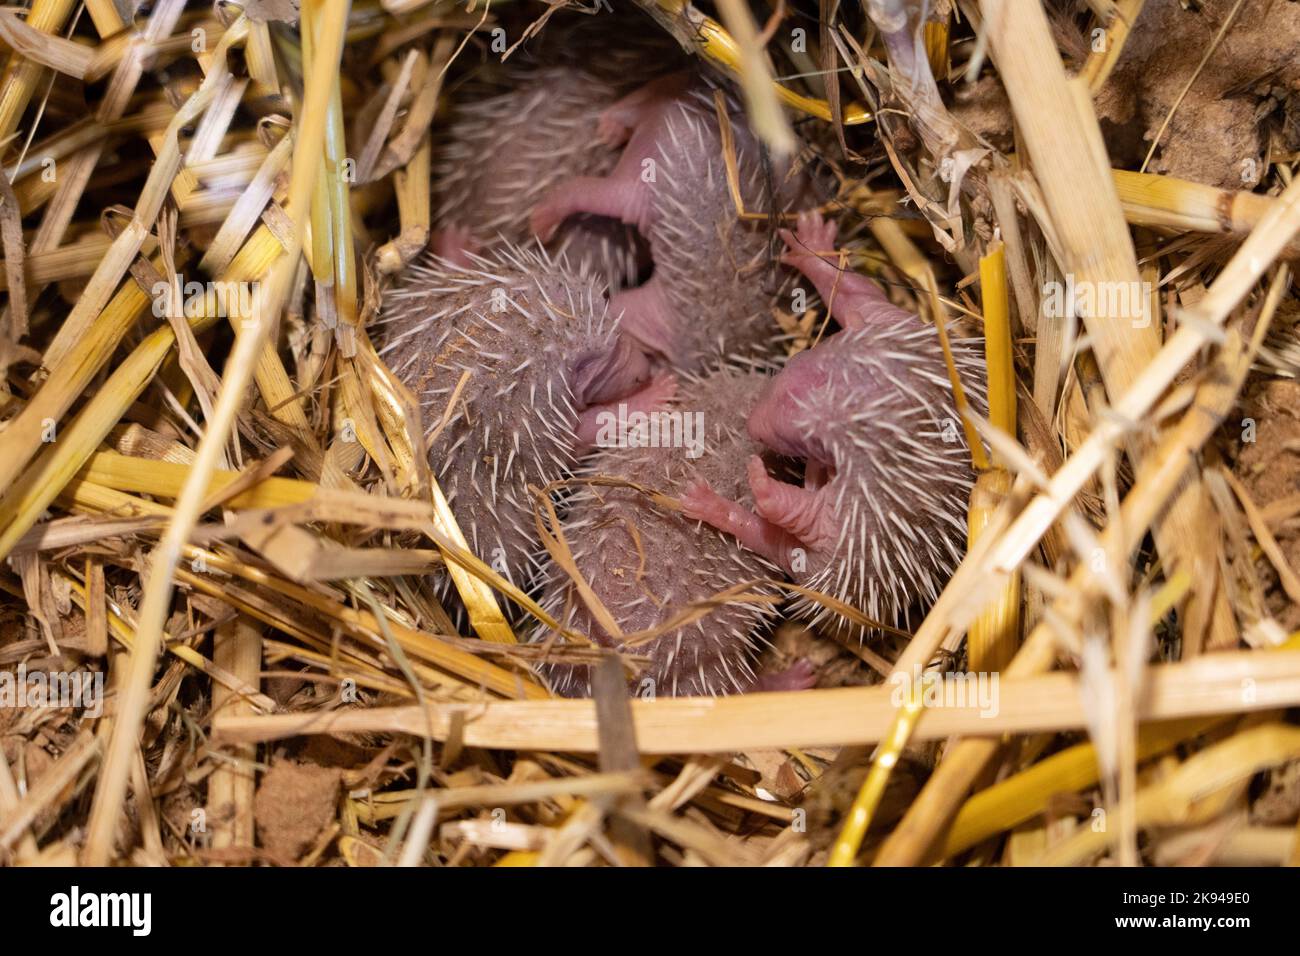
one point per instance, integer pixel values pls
(716, 270)
(505, 148)
(884, 419)
(512, 327)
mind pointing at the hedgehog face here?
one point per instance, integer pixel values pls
(878, 521)
(605, 374)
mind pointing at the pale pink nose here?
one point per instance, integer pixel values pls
(772, 420)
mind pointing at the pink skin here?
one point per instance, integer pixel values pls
(798, 676)
(853, 299)
(455, 244)
(803, 376)
(656, 394)
(622, 194)
(619, 122)
(787, 517)
(636, 120)
(647, 317)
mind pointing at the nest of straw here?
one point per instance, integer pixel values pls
(186, 519)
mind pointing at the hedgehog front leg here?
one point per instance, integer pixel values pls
(852, 298)
(701, 503)
(787, 521)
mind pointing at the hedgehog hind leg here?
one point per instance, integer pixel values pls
(798, 511)
(613, 196)
(618, 120)
(701, 503)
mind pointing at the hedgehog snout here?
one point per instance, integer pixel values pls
(781, 404)
(606, 374)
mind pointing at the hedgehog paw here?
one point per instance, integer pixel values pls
(851, 297)
(813, 236)
(701, 503)
(619, 120)
(613, 129)
(616, 123)
(810, 249)
(796, 510)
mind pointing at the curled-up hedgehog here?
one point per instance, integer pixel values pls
(713, 286)
(504, 150)
(512, 359)
(880, 519)
(646, 562)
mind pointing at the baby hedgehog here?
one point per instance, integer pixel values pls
(503, 152)
(712, 288)
(880, 519)
(539, 354)
(646, 562)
